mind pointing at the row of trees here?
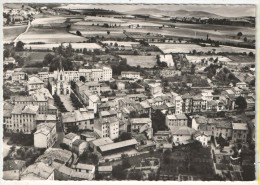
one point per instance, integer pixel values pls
(59, 103)
(75, 101)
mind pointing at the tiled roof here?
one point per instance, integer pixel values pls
(184, 131)
(70, 136)
(35, 80)
(37, 170)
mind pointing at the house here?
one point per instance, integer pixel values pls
(23, 118)
(120, 85)
(221, 126)
(70, 138)
(85, 168)
(202, 137)
(198, 120)
(176, 120)
(105, 171)
(130, 75)
(45, 136)
(182, 135)
(187, 103)
(79, 146)
(155, 88)
(139, 125)
(78, 120)
(94, 101)
(241, 85)
(34, 83)
(38, 171)
(107, 127)
(240, 132)
(178, 101)
(88, 136)
(56, 157)
(9, 60)
(167, 59)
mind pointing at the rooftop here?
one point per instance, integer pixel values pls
(184, 131)
(71, 136)
(102, 141)
(140, 120)
(117, 145)
(239, 126)
(39, 170)
(84, 166)
(35, 80)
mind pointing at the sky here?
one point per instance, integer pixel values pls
(223, 10)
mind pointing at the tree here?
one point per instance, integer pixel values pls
(82, 78)
(135, 175)
(108, 32)
(167, 156)
(239, 34)
(222, 142)
(19, 46)
(241, 103)
(158, 121)
(125, 136)
(192, 69)
(135, 52)
(118, 172)
(125, 163)
(251, 54)
(78, 33)
(245, 39)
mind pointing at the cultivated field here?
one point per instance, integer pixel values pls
(11, 32)
(57, 35)
(194, 59)
(143, 61)
(187, 48)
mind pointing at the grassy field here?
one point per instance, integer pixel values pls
(33, 57)
(11, 32)
(56, 35)
(143, 61)
(186, 48)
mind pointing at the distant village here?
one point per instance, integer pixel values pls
(85, 113)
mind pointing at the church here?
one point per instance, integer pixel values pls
(60, 85)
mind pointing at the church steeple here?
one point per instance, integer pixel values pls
(60, 64)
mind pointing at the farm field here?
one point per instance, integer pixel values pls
(143, 61)
(57, 35)
(89, 46)
(187, 48)
(11, 32)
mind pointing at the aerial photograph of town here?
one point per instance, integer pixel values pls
(158, 92)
